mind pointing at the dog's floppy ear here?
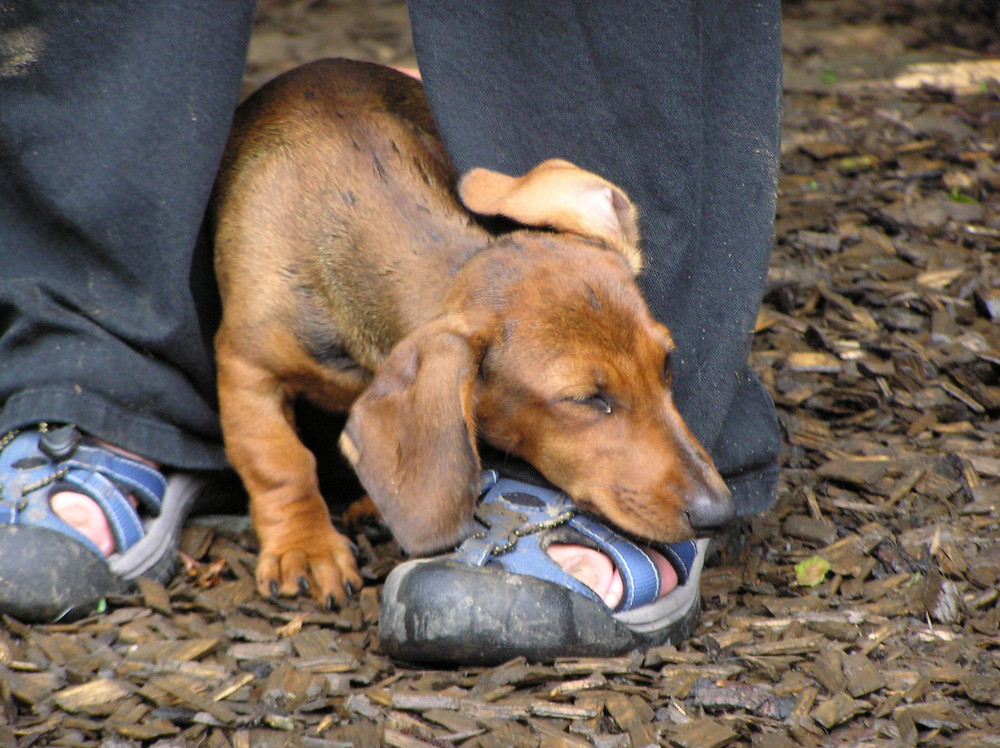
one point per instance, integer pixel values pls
(411, 436)
(559, 195)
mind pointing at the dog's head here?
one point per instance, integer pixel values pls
(547, 351)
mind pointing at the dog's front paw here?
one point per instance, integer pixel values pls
(360, 514)
(321, 565)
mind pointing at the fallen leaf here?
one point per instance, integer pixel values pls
(811, 571)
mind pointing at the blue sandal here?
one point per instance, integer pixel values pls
(48, 570)
(500, 595)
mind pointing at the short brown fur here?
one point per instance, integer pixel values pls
(352, 275)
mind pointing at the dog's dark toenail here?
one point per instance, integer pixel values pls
(303, 585)
(331, 602)
(350, 589)
(274, 588)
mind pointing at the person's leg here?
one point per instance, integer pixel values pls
(113, 122)
(112, 126)
(679, 104)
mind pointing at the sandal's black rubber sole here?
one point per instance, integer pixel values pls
(46, 576)
(443, 612)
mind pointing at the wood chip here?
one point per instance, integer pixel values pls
(837, 710)
(398, 739)
(716, 695)
(424, 701)
(251, 629)
(861, 675)
(605, 665)
(702, 732)
(101, 691)
(154, 595)
(562, 711)
(820, 363)
(794, 645)
(634, 716)
(808, 528)
(184, 690)
(263, 650)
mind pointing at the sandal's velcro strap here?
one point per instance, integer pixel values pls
(681, 556)
(640, 574)
(122, 517)
(147, 483)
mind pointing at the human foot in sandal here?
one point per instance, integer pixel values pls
(531, 584)
(70, 525)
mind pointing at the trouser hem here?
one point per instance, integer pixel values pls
(97, 416)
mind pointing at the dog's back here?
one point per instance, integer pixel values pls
(364, 189)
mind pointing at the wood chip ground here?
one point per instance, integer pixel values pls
(862, 612)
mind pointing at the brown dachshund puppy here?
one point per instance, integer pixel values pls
(352, 275)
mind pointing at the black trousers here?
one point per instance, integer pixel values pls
(113, 118)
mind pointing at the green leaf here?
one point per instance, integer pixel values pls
(811, 571)
(958, 197)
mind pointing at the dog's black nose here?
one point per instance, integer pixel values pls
(708, 513)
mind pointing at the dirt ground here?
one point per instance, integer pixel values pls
(863, 611)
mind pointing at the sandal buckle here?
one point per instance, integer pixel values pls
(59, 443)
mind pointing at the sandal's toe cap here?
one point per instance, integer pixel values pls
(47, 576)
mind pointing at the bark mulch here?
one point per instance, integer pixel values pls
(863, 610)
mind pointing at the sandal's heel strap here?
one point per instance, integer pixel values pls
(147, 483)
(122, 518)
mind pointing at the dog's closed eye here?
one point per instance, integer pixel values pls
(600, 402)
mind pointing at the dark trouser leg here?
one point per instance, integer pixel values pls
(676, 102)
(112, 125)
